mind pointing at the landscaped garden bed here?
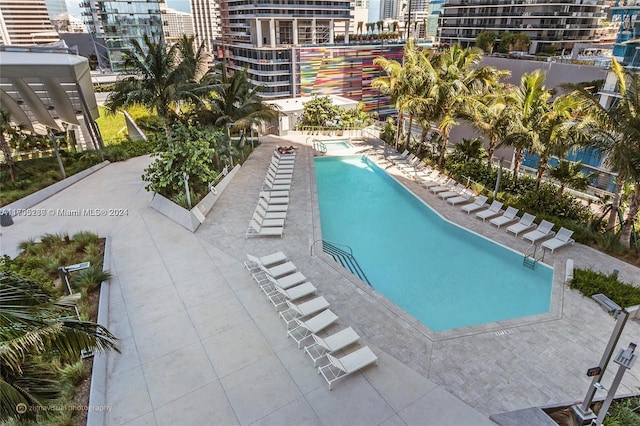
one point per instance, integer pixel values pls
(48, 333)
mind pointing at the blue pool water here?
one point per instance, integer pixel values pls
(441, 274)
(336, 145)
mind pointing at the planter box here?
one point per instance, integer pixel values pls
(191, 219)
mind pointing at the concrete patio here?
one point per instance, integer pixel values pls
(202, 345)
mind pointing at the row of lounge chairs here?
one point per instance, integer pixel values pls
(456, 193)
(306, 315)
(273, 202)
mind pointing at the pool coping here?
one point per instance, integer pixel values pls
(498, 327)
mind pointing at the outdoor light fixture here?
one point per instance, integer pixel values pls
(583, 412)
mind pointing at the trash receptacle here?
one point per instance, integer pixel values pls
(5, 218)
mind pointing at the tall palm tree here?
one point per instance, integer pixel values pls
(194, 63)
(392, 85)
(489, 115)
(456, 79)
(153, 79)
(530, 103)
(556, 132)
(615, 130)
(235, 102)
(33, 323)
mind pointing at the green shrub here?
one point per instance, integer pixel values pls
(590, 282)
(624, 413)
(89, 278)
(74, 372)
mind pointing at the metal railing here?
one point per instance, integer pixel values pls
(343, 257)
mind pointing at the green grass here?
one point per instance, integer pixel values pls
(112, 126)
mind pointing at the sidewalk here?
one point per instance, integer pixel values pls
(200, 343)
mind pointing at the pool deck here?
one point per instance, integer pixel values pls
(202, 345)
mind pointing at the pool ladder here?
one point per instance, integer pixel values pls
(345, 258)
(530, 258)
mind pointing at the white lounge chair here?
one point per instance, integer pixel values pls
(338, 341)
(455, 191)
(409, 164)
(524, 224)
(426, 175)
(444, 187)
(404, 160)
(270, 208)
(346, 365)
(508, 216)
(275, 194)
(272, 215)
(277, 180)
(465, 197)
(281, 295)
(282, 165)
(279, 271)
(252, 263)
(315, 324)
(289, 158)
(439, 180)
(302, 310)
(479, 203)
(279, 174)
(404, 154)
(494, 210)
(544, 229)
(255, 230)
(562, 238)
(268, 284)
(268, 185)
(274, 200)
(267, 223)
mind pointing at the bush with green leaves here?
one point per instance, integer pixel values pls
(590, 282)
(321, 112)
(188, 151)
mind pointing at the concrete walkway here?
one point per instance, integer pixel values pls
(201, 344)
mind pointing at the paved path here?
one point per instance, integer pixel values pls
(201, 345)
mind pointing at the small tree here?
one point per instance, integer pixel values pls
(319, 112)
(485, 41)
(513, 41)
(188, 151)
(469, 150)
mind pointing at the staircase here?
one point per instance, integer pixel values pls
(345, 258)
(530, 259)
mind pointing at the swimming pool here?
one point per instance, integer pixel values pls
(442, 275)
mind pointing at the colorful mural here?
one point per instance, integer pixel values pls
(347, 71)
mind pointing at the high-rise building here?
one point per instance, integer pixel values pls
(56, 8)
(262, 36)
(206, 22)
(176, 24)
(626, 49)
(25, 23)
(561, 23)
(120, 22)
(389, 9)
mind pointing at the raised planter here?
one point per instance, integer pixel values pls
(38, 196)
(192, 219)
(98, 389)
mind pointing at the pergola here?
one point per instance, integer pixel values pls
(49, 89)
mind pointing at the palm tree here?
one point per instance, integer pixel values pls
(6, 128)
(455, 79)
(570, 174)
(236, 102)
(489, 115)
(616, 132)
(555, 133)
(154, 80)
(393, 85)
(194, 63)
(33, 323)
(530, 103)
